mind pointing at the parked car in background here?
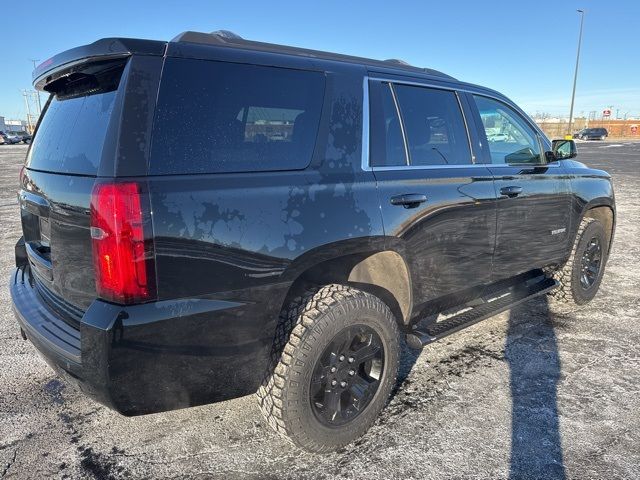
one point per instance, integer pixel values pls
(592, 134)
(211, 217)
(24, 137)
(9, 138)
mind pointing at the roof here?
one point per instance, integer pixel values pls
(113, 48)
(229, 39)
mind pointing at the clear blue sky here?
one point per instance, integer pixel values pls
(523, 49)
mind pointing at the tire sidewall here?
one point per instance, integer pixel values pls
(580, 295)
(301, 418)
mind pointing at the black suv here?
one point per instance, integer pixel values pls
(592, 134)
(211, 217)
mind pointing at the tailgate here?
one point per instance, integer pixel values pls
(56, 184)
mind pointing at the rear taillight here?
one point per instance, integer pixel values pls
(123, 252)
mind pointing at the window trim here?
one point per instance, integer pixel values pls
(405, 142)
(366, 119)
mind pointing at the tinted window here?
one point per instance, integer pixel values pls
(387, 144)
(71, 134)
(434, 126)
(224, 117)
(509, 137)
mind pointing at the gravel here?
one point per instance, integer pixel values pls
(526, 394)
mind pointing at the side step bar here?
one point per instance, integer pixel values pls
(508, 299)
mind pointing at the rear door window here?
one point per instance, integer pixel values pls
(215, 117)
(416, 126)
(434, 126)
(387, 138)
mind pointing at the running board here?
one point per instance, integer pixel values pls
(508, 299)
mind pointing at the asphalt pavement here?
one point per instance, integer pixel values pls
(529, 393)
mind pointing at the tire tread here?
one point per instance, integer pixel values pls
(563, 295)
(295, 325)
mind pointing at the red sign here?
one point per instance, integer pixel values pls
(606, 113)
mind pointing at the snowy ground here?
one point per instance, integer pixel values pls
(526, 394)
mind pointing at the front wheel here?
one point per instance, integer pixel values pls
(335, 371)
(581, 276)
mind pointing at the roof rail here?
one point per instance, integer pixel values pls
(231, 39)
(227, 34)
(397, 61)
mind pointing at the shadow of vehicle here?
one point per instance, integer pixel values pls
(532, 354)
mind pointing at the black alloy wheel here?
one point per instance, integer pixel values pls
(580, 277)
(590, 263)
(336, 358)
(347, 375)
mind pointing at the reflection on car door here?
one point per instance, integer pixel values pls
(438, 208)
(534, 202)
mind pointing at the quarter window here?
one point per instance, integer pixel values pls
(510, 139)
(226, 117)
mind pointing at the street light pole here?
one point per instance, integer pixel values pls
(575, 75)
(26, 102)
(38, 91)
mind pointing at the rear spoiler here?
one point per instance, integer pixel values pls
(105, 49)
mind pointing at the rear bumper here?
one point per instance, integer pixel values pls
(152, 357)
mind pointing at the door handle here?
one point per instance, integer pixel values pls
(408, 200)
(512, 191)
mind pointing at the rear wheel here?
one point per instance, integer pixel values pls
(581, 276)
(334, 372)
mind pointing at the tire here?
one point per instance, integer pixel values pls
(573, 289)
(312, 326)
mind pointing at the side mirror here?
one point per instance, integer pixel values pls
(562, 150)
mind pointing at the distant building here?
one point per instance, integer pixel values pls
(617, 128)
(15, 126)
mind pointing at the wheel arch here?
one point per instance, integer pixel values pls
(382, 273)
(605, 214)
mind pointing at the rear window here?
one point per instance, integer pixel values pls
(72, 131)
(71, 135)
(215, 117)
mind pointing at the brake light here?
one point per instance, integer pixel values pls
(124, 261)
